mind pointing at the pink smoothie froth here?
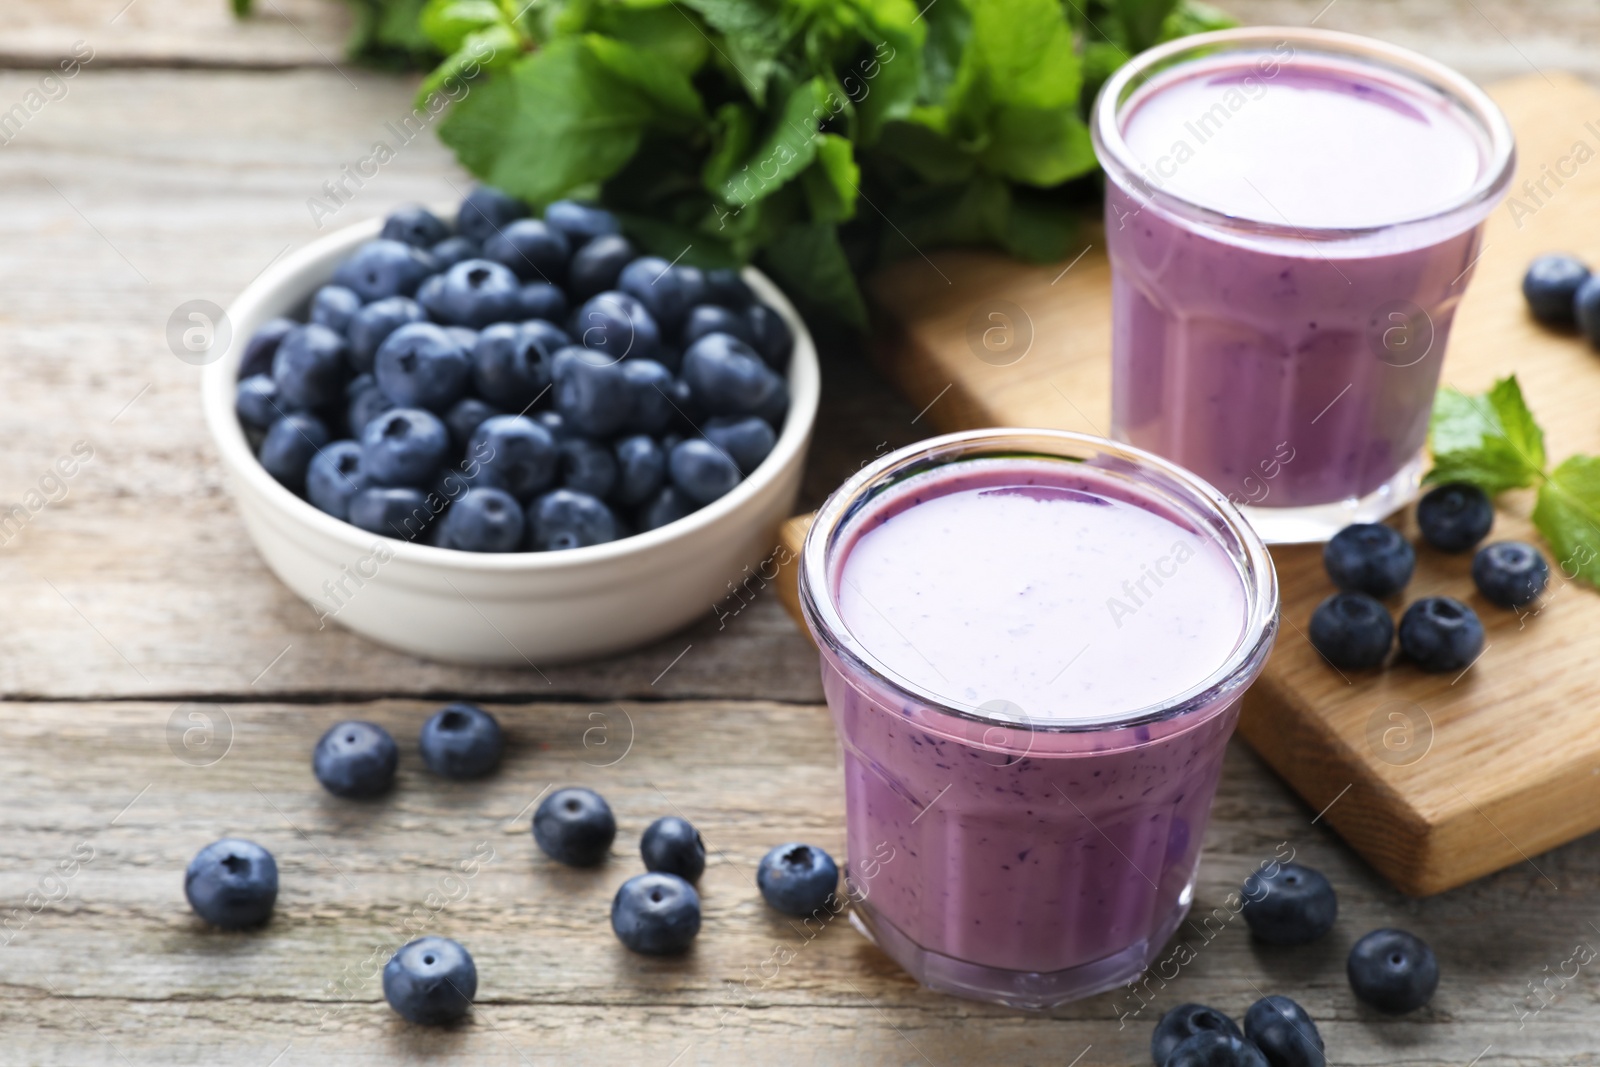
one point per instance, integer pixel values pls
(1061, 594)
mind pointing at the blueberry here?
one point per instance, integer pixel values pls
(256, 401)
(562, 519)
(1510, 574)
(673, 845)
(474, 292)
(713, 318)
(483, 520)
(541, 300)
(1549, 287)
(517, 453)
(771, 336)
(511, 362)
(384, 268)
(748, 440)
(374, 323)
(641, 468)
(1216, 1050)
(580, 222)
(1184, 1022)
(1370, 558)
(464, 418)
(401, 513)
(1438, 633)
(656, 914)
(531, 248)
(669, 505)
(555, 424)
(289, 445)
(797, 879)
(1393, 971)
(262, 346)
(355, 759)
(232, 884)
(366, 402)
(430, 981)
(309, 366)
(414, 225)
(657, 285)
(595, 267)
(701, 470)
(452, 250)
(464, 336)
(656, 398)
(618, 325)
(1586, 309)
(1352, 630)
(592, 391)
(575, 826)
(693, 280)
(1454, 517)
(422, 366)
(334, 476)
(725, 288)
(485, 211)
(1284, 1032)
(726, 377)
(1294, 905)
(404, 447)
(776, 409)
(334, 306)
(461, 741)
(587, 467)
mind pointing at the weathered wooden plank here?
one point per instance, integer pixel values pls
(112, 955)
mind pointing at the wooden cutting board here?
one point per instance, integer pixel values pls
(1435, 779)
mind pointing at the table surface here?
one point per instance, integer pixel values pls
(177, 166)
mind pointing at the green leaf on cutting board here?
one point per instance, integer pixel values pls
(1567, 513)
(1490, 439)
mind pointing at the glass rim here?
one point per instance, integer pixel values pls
(823, 618)
(1122, 166)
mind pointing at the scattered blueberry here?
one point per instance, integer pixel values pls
(1284, 1032)
(797, 879)
(486, 211)
(355, 759)
(580, 222)
(562, 519)
(384, 268)
(726, 377)
(1295, 905)
(309, 366)
(289, 445)
(575, 826)
(483, 519)
(702, 471)
(747, 441)
(473, 293)
(1393, 971)
(461, 741)
(657, 914)
(262, 346)
(668, 505)
(641, 468)
(1454, 517)
(531, 248)
(517, 453)
(1370, 558)
(414, 225)
(1352, 630)
(334, 306)
(1183, 1022)
(673, 845)
(596, 266)
(430, 981)
(1586, 309)
(334, 476)
(1438, 633)
(401, 513)
(1510, 574)
(256, 401)
(232, 884)
(1212, 1049)
(374, 323)
(404, 446)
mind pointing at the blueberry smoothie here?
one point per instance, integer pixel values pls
(1034, 646)
(1292, 218)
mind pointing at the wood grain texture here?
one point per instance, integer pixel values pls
(111, 966)
(1443, 779)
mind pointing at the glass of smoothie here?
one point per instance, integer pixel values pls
(1034, 644)
(1292, 217)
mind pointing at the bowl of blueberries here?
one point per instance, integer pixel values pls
(506, 439)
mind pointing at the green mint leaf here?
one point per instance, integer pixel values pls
(733, 129)
(1142, 20)
(788, 148)
(832, 184)
(494, 48)
(448, 23)
(1489, 440)
(659, 28)
(1039, 146)
(241, 8)
(808, 262)
(753, 34)
(666, 86)
(1567, 513)
(1192, 16)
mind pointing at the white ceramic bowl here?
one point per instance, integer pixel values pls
(516, 609)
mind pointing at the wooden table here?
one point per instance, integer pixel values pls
(176, 167)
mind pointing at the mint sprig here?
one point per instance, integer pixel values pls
(1492, 440)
